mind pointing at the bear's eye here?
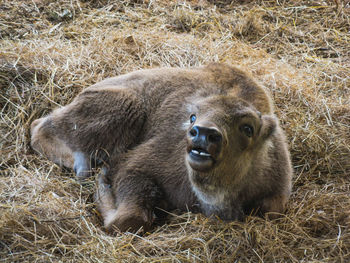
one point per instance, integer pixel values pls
(193, 118)
(247, 130)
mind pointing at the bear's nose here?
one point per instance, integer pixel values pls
(205, 135)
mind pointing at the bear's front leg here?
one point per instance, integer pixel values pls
(129, 216)
(128, 204)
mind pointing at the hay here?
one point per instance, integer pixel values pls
(51, 50)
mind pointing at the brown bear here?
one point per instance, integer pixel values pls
(203, 139)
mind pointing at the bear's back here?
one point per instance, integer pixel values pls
(155, 86)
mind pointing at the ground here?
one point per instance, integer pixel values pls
(51, 50)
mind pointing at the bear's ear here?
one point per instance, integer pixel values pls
(268, 126)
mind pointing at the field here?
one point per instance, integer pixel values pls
(299, 50)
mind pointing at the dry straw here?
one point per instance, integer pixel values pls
(300, 50)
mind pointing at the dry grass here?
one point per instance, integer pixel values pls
(51, 50)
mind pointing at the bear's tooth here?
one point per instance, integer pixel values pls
(204, 154)
(195, 152)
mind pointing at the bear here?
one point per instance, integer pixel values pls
(202, 139)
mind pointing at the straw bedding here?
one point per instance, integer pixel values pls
(51, 50)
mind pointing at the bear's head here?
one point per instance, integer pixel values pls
(224, 133)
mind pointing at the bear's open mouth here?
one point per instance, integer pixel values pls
(200, 159)
(200, 153)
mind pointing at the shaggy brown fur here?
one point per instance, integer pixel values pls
(203, 139)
